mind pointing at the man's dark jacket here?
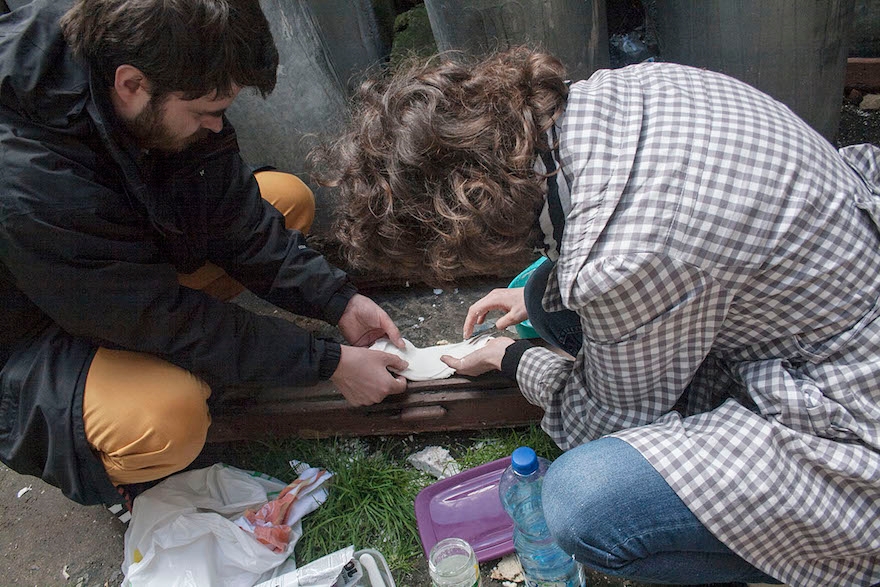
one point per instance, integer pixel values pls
(92, 235)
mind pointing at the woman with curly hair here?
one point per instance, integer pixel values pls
(712, 274)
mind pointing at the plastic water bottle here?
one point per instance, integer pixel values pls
(544, 563)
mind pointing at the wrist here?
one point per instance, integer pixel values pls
(502, 345)
(512, 355)
(339, 302)
(329, 362)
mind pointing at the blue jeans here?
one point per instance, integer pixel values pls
(607, 505)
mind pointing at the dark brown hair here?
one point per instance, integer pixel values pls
(191, 46)
(436, 170)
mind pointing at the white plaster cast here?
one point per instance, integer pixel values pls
(425, 364)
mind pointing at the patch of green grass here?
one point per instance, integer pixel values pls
(496, 444)
(370, 501)
(370, 505)
(371, 497)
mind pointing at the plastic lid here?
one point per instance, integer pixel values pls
(467, 506)
(524, 461)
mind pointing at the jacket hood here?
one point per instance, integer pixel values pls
(39, 78)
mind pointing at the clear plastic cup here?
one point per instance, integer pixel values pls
(452, 563)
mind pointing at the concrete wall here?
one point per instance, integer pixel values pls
(352, 36)
(309, 99)
(865, 36)
(793, 51)
(573, 30)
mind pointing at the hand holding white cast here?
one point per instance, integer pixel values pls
(509, 300)
(362, 375)
(364, 322)
(481, 360)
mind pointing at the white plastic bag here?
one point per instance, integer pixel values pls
(337, 569)
(181, 532)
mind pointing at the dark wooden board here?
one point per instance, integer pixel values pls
(863, 73)
(457, 403)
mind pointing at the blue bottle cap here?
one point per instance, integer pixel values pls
(524, 461)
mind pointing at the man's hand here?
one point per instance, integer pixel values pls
(481, 360)
(364, 322)
(509, 300)
(363, 376)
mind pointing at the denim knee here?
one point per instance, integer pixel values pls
(606, 505)
(585, 496)
(562, 328)
(568, 498)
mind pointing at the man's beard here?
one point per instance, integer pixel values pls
(150, 132)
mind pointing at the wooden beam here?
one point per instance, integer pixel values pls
(320, 411)
(863, 74)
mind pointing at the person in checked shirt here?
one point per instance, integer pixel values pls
(712, 280)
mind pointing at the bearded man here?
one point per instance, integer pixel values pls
(127, 218)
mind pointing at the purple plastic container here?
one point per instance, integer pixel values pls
(467, 506)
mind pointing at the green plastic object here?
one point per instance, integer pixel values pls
(524, 329)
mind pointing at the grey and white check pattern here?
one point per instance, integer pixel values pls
(724, 260)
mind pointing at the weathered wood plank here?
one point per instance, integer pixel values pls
(457, 403)
(863, 74)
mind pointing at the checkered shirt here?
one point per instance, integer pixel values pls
(724, 260)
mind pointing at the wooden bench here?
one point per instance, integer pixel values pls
(457, 403)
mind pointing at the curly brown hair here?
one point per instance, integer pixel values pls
(436, 170)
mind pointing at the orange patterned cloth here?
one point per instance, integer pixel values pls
(269, 522)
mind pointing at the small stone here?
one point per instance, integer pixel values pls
(508, 569)
(435, 461)
(854, 96)
(870, 102)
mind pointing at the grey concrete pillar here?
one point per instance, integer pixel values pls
(352, 35)
(309, 99)
(865, 38)
(794, 51)
(573, 30)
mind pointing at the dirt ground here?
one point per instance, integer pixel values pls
(44, 535)
(47, 540)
